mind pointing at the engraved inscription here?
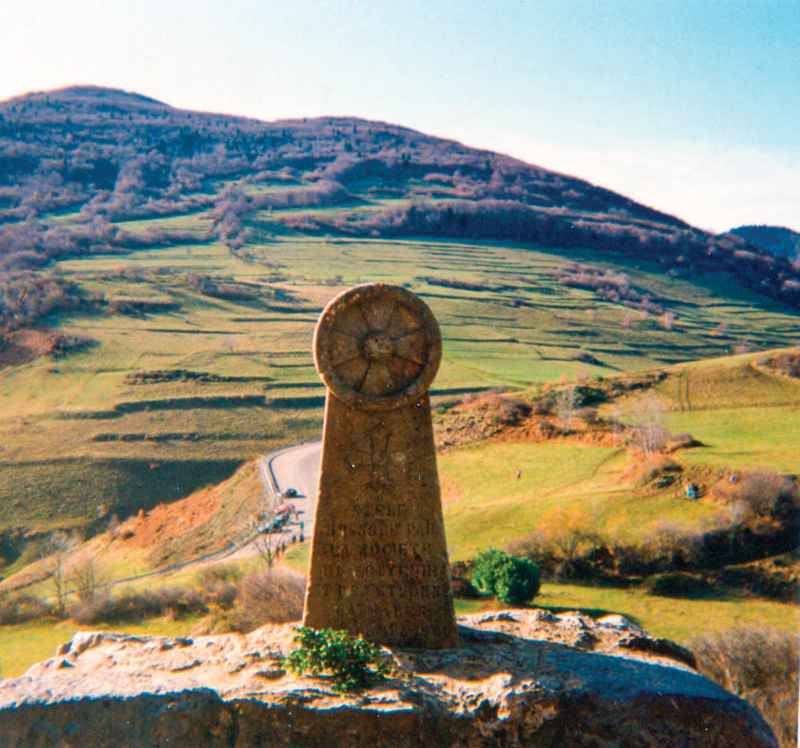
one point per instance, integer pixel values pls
(379, 560)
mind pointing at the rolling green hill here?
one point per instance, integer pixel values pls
(181, 259)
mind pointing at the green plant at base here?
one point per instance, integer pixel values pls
(513, 580)
(352, 662)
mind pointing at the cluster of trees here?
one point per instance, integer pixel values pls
(233, 205)
(29, 291)
(26, 297)
(614, 287)
(31, 243)
(217, 288)
(681, 250)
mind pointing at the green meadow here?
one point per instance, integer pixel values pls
(104, 432)
(506, 321)
(486, 506)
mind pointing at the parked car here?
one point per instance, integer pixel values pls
(289, 493)
(275, 525)
(285, 508)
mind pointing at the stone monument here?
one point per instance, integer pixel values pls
(379, 560)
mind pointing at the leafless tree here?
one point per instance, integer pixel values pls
(645, 416)
(55, 551)
(85, 578)
(667, 320)
(566, 406)
(260, 522)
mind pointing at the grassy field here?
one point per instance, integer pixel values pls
(678, 620)
(103, 432)
(505, 318)
(486, 506)
(23, 645)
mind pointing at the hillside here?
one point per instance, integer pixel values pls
(110, 156)
(571, 487)
(778, 240)
(161, 272)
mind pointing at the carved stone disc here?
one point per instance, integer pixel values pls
(377, 347)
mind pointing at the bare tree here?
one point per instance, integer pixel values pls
(261, 522)
(56, 550)
(85, 578)
(645, 416)
(667, 320)
(566, 406)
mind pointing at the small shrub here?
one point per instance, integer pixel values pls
(681, 441)
(761, 666)
(659, 470)
(513, 411)
(215, 573)
(266, 597)
(22, 608)
(544, 406)
(672, 543)
(352, 662)
(678, 584)
(136, 606)
(510, 578)
(219, 584)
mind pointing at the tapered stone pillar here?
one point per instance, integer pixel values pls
(379, 560)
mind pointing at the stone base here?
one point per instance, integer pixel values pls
(517, 678)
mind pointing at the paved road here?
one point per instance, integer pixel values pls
(295, 467)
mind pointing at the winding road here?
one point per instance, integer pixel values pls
(295, 467)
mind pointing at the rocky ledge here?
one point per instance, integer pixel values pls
(519, 677)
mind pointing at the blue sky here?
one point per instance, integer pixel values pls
(691, 106)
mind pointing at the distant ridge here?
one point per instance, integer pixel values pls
(85, 92)
(120, 155)
(779, 240)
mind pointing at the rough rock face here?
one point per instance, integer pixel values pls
(517, 678)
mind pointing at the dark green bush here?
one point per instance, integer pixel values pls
(509, 578)
(678, 584)
(352, 662)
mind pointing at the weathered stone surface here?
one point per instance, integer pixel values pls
(508, 684)
(379, 559)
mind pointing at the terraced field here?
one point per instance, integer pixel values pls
(93, 433)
